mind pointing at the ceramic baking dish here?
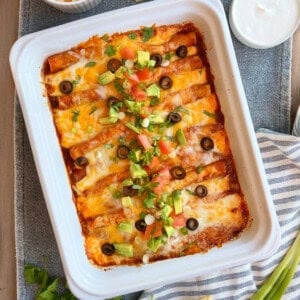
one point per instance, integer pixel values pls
(86, 281)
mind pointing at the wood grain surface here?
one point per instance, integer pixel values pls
(8, 34)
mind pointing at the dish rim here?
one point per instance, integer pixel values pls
(22, 45)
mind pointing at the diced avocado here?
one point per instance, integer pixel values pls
(177, 201)
(154, 244)
(125, 227)
(180, 137)
(137, 171)
(169, 221)
(137, 154)
(151, 63)
(120, 72)
(165, 212)
(155, 118)
(170, 231)
(153, 90)
(133, 128)
(127, 202)
(127, 182)
(133, 107)
(106, 78)
(124, 249)
(143, 58)
(178, 206)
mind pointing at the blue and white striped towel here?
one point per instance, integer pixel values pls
(281, 157)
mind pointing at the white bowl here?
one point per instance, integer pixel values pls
(263, 24)
(85, 280)
(76, 6)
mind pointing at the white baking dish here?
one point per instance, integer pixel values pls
(85, 280)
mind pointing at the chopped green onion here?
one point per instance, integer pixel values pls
(133, 128)
(210, 114)
(147, 33)
(110, 50)
(90, 64)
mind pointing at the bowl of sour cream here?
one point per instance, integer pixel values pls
(73, 6)
(264, 24)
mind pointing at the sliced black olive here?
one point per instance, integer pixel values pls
(112, 101)
(174, 117)
(157, 58)
(140, 225)
(66, 87)
(182, 51)
(201, 190)
(192, 224)
(108, 249)
(129, 191)
(81, 161)
(207, 143)
(122, 151)
(165, 82)
(113, 65)
(178, 172)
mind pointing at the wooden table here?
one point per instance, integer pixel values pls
(8, 34)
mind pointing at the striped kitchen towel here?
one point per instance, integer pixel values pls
(281, 157)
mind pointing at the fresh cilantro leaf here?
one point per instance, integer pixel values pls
(35, 275)
(154, 101)
(48, 288)
(116, 194)
(132, 35)
(93, 109)
(76, 81)
(147, 33)
(105, 37)
(110, 50)
(50, 293)
(199, 169)
(119, 87)
(169, 55)
(149, 200)
(90, 64)
(75, 115)
(183, 231)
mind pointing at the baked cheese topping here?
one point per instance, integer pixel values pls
(145, 146)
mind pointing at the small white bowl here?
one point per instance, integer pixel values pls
(75, 6)
(263, 24)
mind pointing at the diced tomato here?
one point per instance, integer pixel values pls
(163, 178)
(133, 78)
(164, 147)
(143, 74)
(143, 139)
(138, 93)
(153, 230)
(178, 220)
(127, 53)
(155, 162)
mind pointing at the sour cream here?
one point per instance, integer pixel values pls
(264, 23)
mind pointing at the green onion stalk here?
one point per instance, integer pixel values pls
(274, 286)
